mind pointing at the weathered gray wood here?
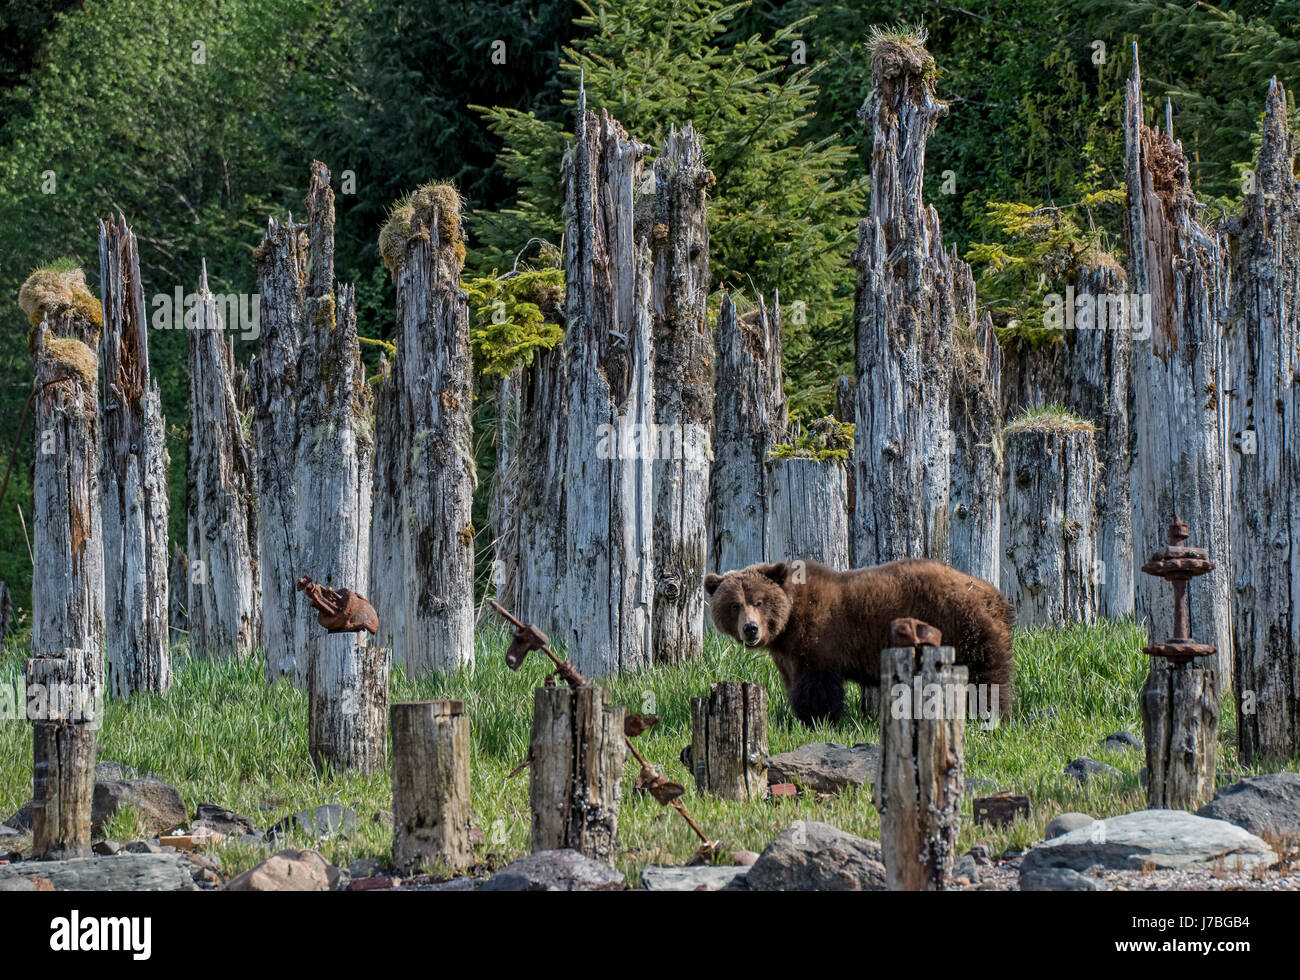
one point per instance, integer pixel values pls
(683, 393)
(503, 500)
(608, 478)
(1178, 372)
(178, 588)
(750, 413)
(387, 582)
(808, 511)
(281, 270)
(920, 781)
(577, 752)
(67, 536)
(133, 478)
(846, 410)
(65, 695)
(1049, 522)
(729, 741)
(1265, 523)
(431, 787)
(905, 317)
(435, 384)
(224, 596)
(347, 701)
(1180, 724)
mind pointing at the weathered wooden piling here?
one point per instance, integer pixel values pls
(922, 749)
(347, 702)
(387, 557)
(683, 395)
(729, 741)
(608, 477)
(431, 785)
(808, 511)
(1265, 404)
(750, 414)
(577, 751)
(66, 695)
(1049, 567)
(133, 478)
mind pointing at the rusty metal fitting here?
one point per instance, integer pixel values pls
(341, 610)
(1178, 564)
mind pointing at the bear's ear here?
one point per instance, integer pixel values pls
(711, 583)
(778, 573)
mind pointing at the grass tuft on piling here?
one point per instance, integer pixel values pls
(61, 285)
(414, 215)
(900, 50)
(1048, 418)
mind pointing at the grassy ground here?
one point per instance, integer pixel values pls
(220, 735)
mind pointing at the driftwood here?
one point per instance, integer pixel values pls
(133, 478)
(729, 741)
(431, 797)
(1265, 528)
(750, 413)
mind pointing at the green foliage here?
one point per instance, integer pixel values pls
(511, 317)
(824, 439)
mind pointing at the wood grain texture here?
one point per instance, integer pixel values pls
(431, 785)
(729, 741)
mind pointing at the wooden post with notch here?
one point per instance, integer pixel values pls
(729, 741)
(919, 785)
(431, 753)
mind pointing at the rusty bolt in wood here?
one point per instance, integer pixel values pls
(1179, 564)
(341, 610)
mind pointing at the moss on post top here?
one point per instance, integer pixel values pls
(900, 50)
(414, 215)
(72, 355)
(1048, 418)
(57, 287)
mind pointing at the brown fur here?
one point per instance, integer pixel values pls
(831, 627)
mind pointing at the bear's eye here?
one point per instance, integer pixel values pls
(758, 603)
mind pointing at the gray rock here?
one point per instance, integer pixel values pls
(1268, 804)
(158, 805)
(209, 816)
(106, 847)
(7, 831)
(980, 854)
(965, 867)
(1123, 742)
(21, 819)
(701, 879)
(555, 871)
(825, 767)
(26, 883)
(1063, 823)
(320, 822)
(810, 856)
(125, 872)
(1084, 769)
(143, 847)
(366, 867)
(1158, 838)
(1057, 880)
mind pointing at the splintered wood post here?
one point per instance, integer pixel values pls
(67, 693)
(846, 410)
(347, 699)
(503, 499)
(975, 408)
(178, 571)
(1049, 565)
(1179, 268)
(281, 269)
(577, 752)
(436, 401)
(750, 414)
(224, 598)
(922, 750)
(335, 449)
(1265, 531)
(387, 560)
(1180, 724)
(133, 478)
(608, 478)
(905, 317)
(729, 741)
(808, 514)
(431, 796)
(683, 391)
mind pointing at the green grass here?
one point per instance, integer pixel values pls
(222, 736)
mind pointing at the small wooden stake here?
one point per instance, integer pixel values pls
(729, 741)
(1180, 717)
(65, 690)
(431, 753)
(577, 751)
(918, 789)
(347, 702)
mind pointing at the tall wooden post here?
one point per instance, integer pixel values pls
(1049, 566)
(577, 751)
(683, 395)
(808, 513)
(431, 787)
(905, 316)
(387, 557)
(1265, 533)
(922, 749)
(68, 694)
(133, 479)
(608, 478)
(347, 699)
(224, 598)
(1179, 266)
(729, 741)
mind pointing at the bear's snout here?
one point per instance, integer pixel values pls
(750, 632)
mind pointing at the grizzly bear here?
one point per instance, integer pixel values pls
(824, 627)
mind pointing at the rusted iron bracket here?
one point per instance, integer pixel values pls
(528, 638)
(341, 610)
(1179, 564)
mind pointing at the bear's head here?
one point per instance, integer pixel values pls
(750, 604)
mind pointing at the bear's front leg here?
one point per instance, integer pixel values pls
(817, 697)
